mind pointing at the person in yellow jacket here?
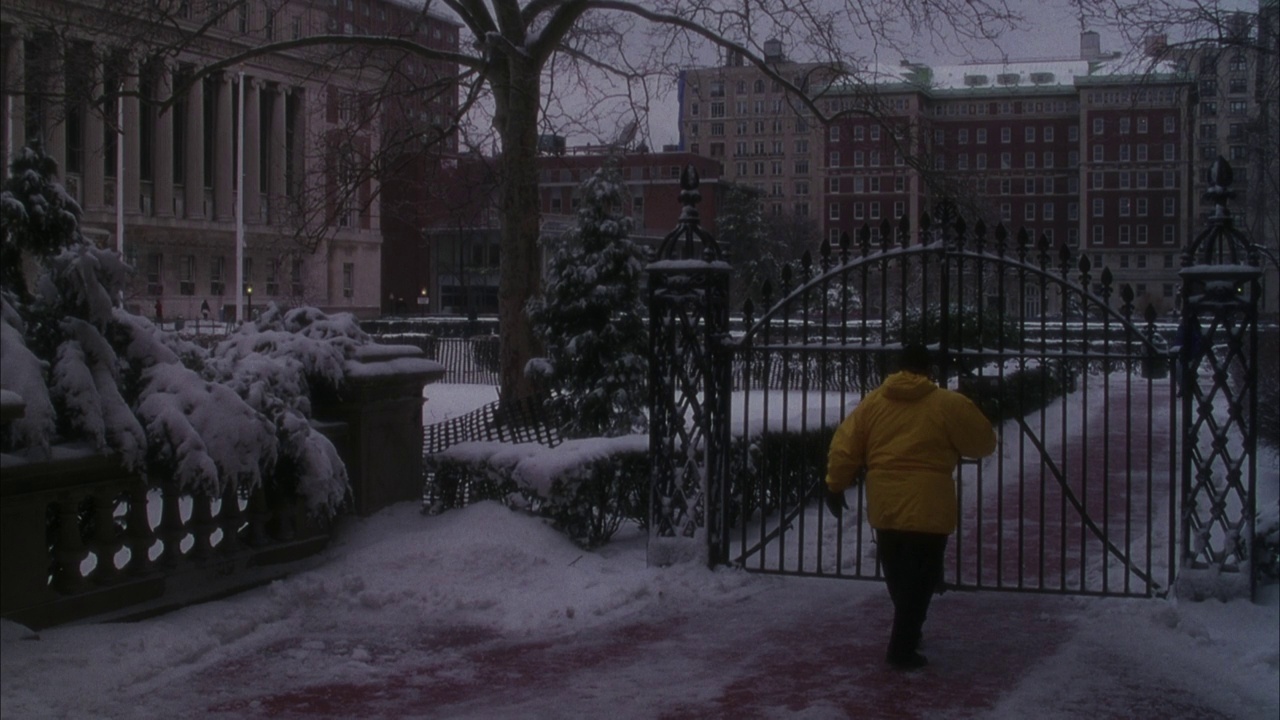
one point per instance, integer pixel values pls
(909, 435)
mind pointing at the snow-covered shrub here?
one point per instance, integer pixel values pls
(88, 370)
(585, 488)
(775, 470)
(593, 321)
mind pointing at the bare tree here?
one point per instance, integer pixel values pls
(544, 65)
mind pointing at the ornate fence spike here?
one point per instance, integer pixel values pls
(960, 228)
(1043, 245)
(824, 252)
(766, 293)
(748, 312)
(979, 235)
(1126, 301)
(1064, 259)
(806, 266)
(864, 239)
(1107, 279)
(846, 243)
(1024, 243)
(904, 229)
(688, 234)
(1002, 236)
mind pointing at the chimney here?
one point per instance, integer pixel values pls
(1090, 45)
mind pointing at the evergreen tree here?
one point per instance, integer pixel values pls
(37, 217)
(592, 319)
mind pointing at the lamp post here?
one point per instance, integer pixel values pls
(422, 302)
(248, 291)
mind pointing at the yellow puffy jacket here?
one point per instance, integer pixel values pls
(909, 434)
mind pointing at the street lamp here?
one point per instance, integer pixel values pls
(422, 302)
(249, 293)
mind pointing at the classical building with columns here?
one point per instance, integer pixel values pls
(175, 166)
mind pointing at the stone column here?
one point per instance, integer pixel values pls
(252, 146)
(94, 157)
(15, 83)
(276, 190)
(54, 130)
(162, 158)
(193, 181)
(131, 182)
(224, 164)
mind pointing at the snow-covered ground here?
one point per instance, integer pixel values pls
(409, 611)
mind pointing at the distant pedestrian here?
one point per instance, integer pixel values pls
(204, 309)
(908, 435)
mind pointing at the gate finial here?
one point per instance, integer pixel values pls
(688, 227)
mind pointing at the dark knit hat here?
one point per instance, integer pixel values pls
(916, 358)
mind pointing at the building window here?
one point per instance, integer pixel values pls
(1169, 207)
(1006, 161)
(348, 280)
(1142, 207)
(1124, 153)
(1097, 180)
(1097, 235)
(273, 277)
(1073, 211)
(1073, 133)
(295, 277)
(1142, 240)
(875, 132)
(1124, 180)
(1047, 211)
(1006, 212)
(1029, 211)
(1006, 135)
(1029, 186)
(217, 275)
(1048, 133)
(187, 275)
(833, 212)
(1170, 124)
(155, 269)
(875, 211)
(1170, 234)
(1125, 206)
(1098, 207)
(1142, 152)
(859, 211)
(1142, 124)
(1099, 126)
(1006, 186)
(981, 136)
(1124, 235)
(833, 160)
(1124, 126)
(1029, 160)
(1029, 133)
(1099, 153)
(980, 161)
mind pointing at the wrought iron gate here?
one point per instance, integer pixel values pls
(1089, 488)
(1079, 498)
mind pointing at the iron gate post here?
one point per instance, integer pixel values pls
(689, 390)
(1218, 332)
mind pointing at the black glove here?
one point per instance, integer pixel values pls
(836, 502)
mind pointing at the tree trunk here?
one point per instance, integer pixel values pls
(520, 271)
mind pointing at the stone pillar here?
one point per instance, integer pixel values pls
(381, 408)
(132, 180)
(162, 158)
(252, 146)
(94, 157)
(193, 181)
(276, 190)
(224, 163)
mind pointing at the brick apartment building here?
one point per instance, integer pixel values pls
(463, 238)
(1084, 151)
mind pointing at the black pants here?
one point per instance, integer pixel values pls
(912, 566)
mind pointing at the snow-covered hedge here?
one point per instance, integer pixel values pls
(88, 370)
(587, 487)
